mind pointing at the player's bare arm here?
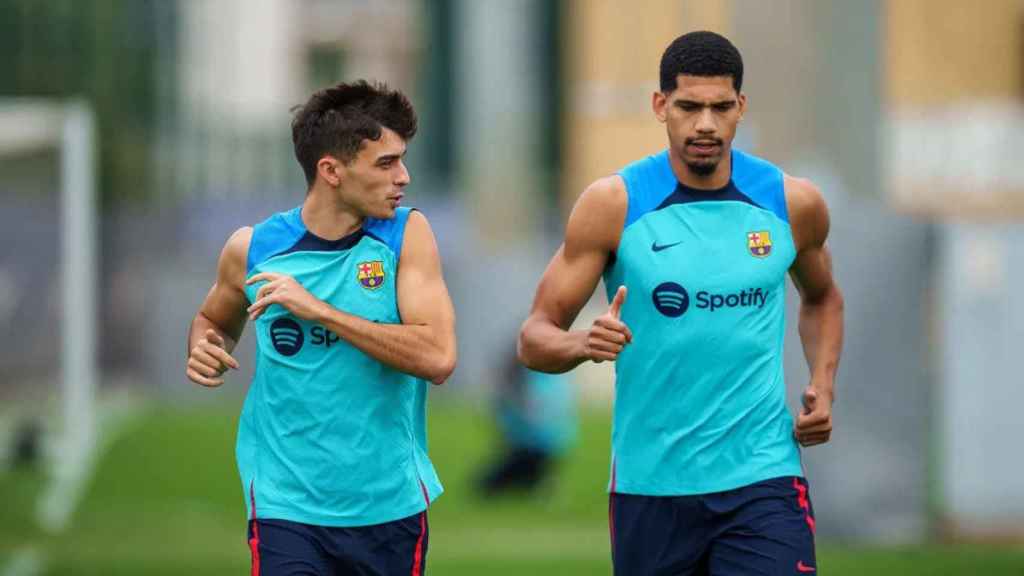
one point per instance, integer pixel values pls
(218, 324)
(423, 345)
(821, 308)
(545, 342)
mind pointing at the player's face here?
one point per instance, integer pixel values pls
(374, 182)
(700, 116)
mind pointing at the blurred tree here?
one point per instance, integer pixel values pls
(105, 51)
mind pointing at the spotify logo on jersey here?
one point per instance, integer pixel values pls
(671, 299)
(286, 336)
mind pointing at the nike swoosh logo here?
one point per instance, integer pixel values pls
(801, 567)
(658, 248)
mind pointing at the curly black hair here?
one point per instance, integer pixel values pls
(700, 53)
(338, 120)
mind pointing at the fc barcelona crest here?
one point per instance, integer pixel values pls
(759, 243)
(370, 274)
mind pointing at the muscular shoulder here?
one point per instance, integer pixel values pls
(808, 214)
(605, 195)
(234, 256)
(237, 246)
(417, 232)
(417, 223)
(599, 214)
(418, 244)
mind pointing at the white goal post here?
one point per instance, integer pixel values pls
(30, 124)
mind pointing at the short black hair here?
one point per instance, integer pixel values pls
(701, 53)
(339, 119)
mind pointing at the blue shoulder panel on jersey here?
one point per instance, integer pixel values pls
(651, 185)
(761, 181)
(274, 235)
(390, 232)
(648, 182)
(284, 233)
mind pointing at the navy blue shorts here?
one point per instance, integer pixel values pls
(283, 548)
(766, 528)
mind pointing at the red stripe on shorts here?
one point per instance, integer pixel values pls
(803, 502)
(417, 559)
(254, 542)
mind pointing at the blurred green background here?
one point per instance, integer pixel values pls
(166, 500)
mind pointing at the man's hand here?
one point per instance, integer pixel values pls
(608, 335)
(285, 291)
(208, 360)
(814, 423)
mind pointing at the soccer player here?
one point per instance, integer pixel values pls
(536, 417)
(694, 244)
(352, 316)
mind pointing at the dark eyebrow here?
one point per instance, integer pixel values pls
(694, 103)
(390, 157)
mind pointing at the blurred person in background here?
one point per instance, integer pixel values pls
(694, 244)
(536, 417)
(352, 318)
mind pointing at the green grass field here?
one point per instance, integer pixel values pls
(166, 500)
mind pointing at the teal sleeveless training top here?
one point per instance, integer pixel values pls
(699, 394)
(328, 435)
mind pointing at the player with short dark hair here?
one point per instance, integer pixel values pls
(706, 475)
(352, 318)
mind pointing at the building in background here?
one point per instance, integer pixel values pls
(954, 134)
(238, 69)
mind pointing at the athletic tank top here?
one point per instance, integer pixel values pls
(328, 435)
(699, 394)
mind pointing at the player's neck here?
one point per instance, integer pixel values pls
(717, 179)
(326, 216)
